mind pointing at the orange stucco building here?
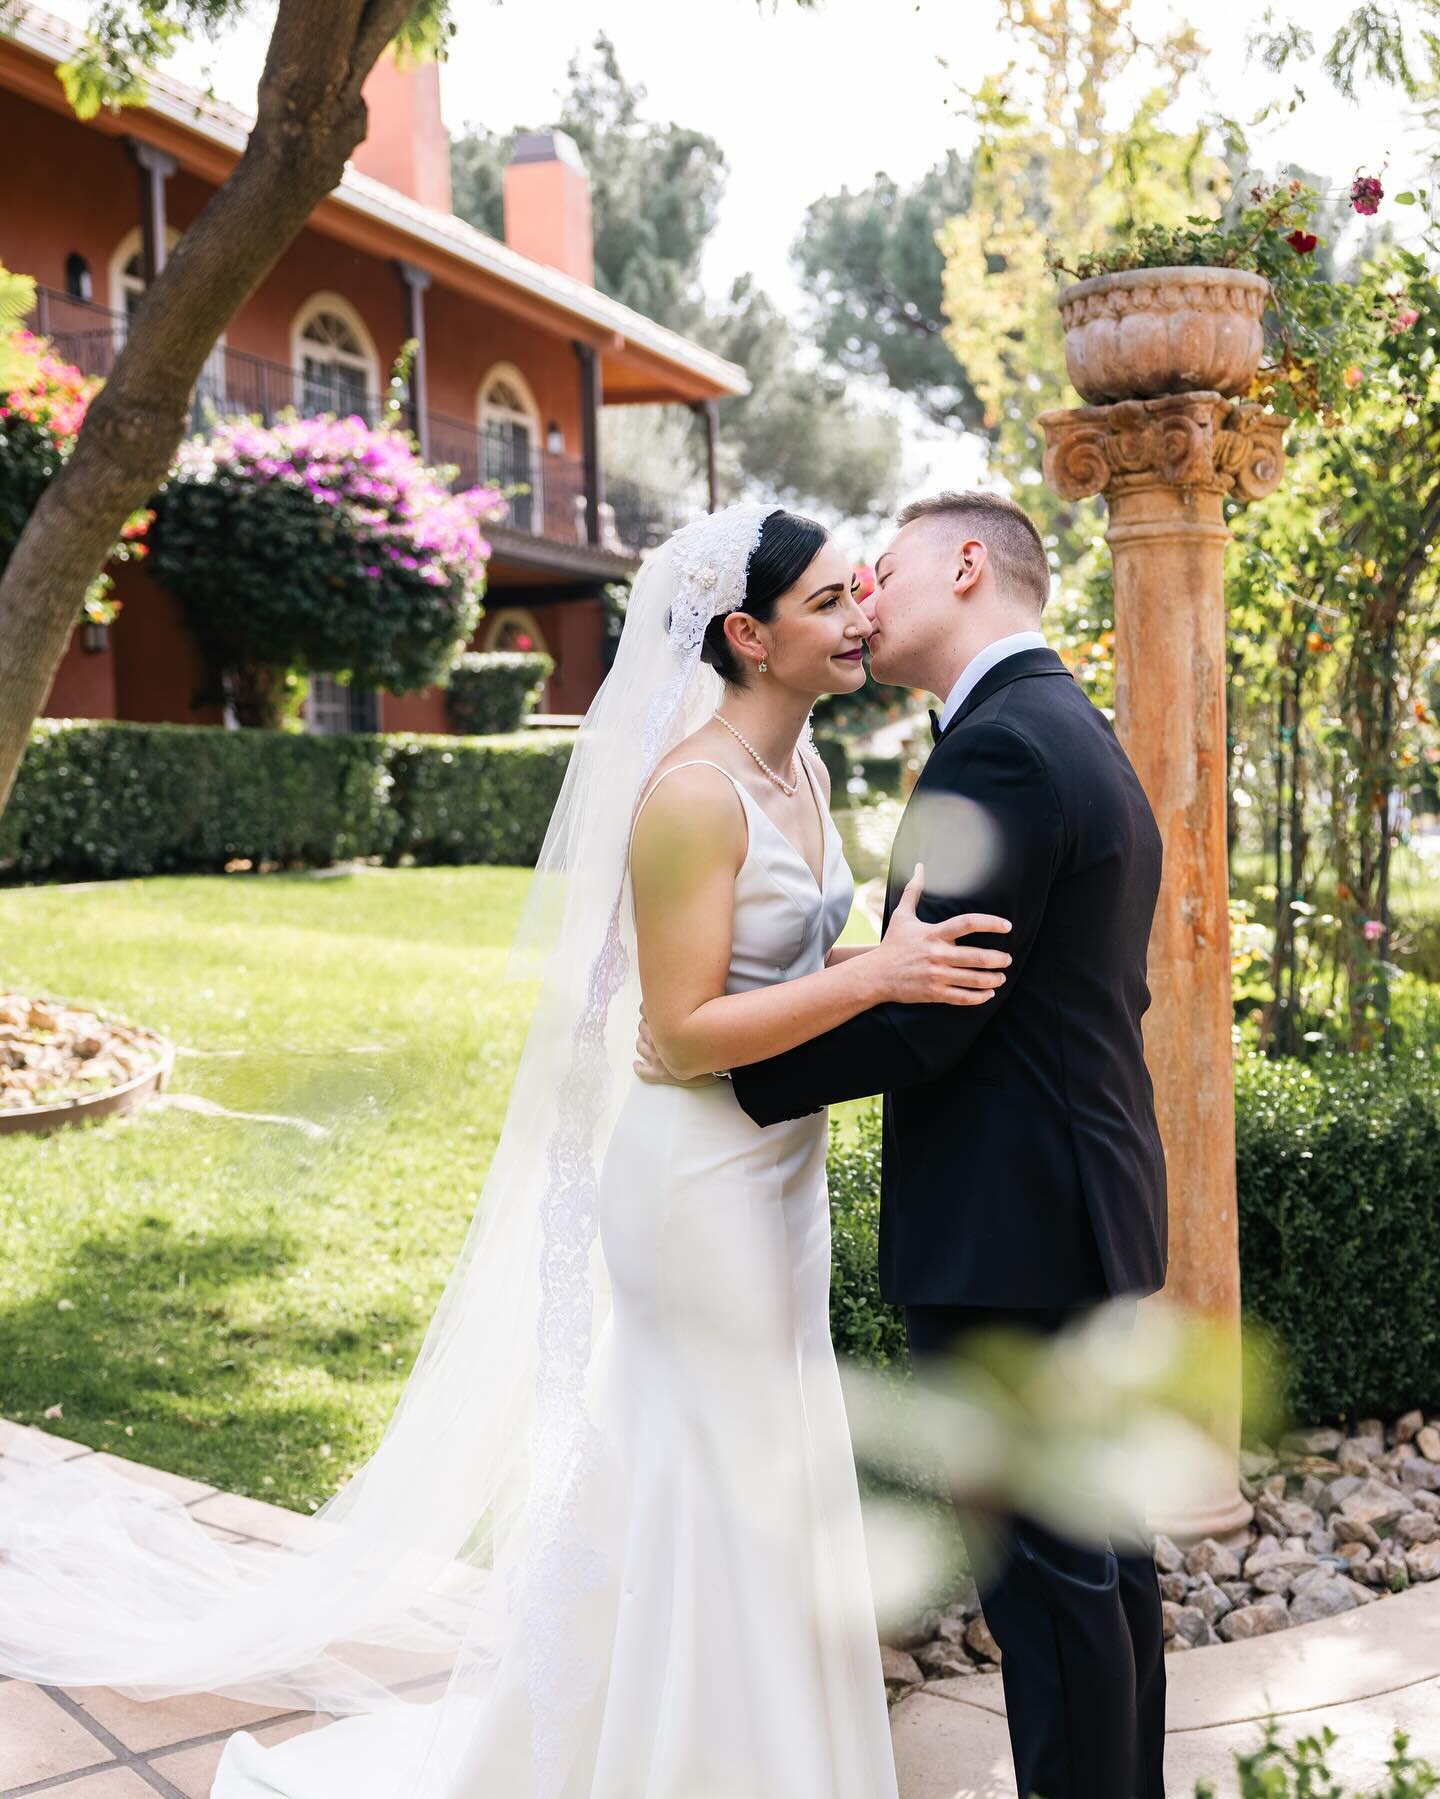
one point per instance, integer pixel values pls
(519, 352)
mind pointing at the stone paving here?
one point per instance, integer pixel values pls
(91, 1743)
(1363, 1673)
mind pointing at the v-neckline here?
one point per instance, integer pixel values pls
(818, 881)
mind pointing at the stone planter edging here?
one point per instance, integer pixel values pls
(125, 1098)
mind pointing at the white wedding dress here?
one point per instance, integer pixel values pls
(722, 1643)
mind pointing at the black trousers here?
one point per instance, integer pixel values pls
(1078, 1624)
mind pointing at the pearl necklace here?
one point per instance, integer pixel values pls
(790, 788)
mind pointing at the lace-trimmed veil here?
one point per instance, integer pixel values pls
(455, 1544)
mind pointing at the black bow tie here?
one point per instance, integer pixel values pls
(934, 725)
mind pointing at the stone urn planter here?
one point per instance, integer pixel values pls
(1146, 332)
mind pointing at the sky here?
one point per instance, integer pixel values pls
(804, 102)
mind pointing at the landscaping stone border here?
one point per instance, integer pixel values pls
(22, 1035)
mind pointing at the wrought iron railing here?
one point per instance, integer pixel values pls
(546, 492)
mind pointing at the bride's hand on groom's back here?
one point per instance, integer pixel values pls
(649, 1066)
(926, 964)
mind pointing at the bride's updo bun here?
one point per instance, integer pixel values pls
(788, 544)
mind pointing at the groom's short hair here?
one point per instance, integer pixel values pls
(1007, 531)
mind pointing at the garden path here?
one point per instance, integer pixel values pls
(1364, 1674)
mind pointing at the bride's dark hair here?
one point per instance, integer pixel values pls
(788, 544)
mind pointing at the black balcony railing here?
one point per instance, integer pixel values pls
(546, 493)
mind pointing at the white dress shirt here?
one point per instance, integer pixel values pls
(979, 666)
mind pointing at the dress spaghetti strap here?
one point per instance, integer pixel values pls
(695, 762)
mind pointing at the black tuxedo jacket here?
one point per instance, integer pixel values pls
(1022, 1165)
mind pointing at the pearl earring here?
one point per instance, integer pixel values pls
(763, 667)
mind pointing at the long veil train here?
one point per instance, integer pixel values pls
(454, 1544)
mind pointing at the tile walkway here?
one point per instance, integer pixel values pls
(92, 1743)
(1363, 1673)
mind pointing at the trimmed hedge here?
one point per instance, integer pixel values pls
(1339, 1174)
(834, 752)
(475, 799)
(489, 692)
(863, 1326)
(1338, 1167)
(881, 774)
(102, 799)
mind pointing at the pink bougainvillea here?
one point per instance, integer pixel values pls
(40, 419)
(341, 551)
(402, 508)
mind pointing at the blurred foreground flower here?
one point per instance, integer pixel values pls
(1089, 1433)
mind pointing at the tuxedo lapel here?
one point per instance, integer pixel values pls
(1021, 667)
(1025, 665)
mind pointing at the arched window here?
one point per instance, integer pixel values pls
(510, 444)
(127, 289)
(127, 270)
(338, 370)
(514, 628)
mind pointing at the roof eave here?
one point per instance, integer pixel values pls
(210, 125)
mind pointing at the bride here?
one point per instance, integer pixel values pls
(610, 1545)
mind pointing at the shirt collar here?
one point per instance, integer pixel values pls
(979, 666)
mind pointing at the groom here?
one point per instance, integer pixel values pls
(1023, 1177)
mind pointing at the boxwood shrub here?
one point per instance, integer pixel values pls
(881, 774)
(102, 799)
(475, 799)
(835, 754)
(1339, 1176)
(1338, 1166)
(491, 691)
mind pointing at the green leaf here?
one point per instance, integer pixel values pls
(1405, 199)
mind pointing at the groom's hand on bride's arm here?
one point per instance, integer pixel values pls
(991, 840)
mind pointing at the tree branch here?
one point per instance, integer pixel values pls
(310, 117)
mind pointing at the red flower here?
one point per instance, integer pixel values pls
(1366, 194)
(1404, 319)
(1302, 242)
(524, 642)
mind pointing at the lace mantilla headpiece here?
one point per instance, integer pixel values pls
(711, 562)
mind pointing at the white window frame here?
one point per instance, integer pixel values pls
(325, 700)
(367, 358)
(123, 284)
(529, 415)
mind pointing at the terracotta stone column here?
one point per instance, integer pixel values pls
(1165, 466)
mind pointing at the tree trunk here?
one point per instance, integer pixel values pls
(311, 115)
(257, 696)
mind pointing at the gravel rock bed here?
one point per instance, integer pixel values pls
(51, 1053)
(1342, 1518)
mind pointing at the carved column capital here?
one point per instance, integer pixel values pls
(1197, 440)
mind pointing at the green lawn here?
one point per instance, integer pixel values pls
(237, 1300)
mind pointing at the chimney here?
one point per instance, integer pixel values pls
(406, 146)
(547, 204)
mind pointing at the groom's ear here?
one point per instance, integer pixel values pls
(970, 565)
